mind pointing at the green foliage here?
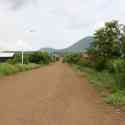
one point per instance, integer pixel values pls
(84, 62)
(72, 58)
(105, 65)
(106, 40)
(35, 57)
(18, 58)
(116, 65)
(99, 63)
(7, 69)
(108, 48)
(108, 44)
(117, 98)
(102, 80)
(105, 84)
(91, 50)
(57, 58)
(25, 67)
(30, 62)
(40, 58)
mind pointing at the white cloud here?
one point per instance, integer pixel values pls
(57, 23)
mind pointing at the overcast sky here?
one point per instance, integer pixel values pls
(53, 23)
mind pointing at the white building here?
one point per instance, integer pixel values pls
(6, 55)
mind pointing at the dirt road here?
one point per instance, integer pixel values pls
(53, 95)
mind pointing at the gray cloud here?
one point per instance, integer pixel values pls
(16, 4)
(59, 23)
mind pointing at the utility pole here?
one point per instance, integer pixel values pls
(22, 51)
(22, 57)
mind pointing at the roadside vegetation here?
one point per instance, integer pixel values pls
(8, 69)
(105, 62)
(31, 61)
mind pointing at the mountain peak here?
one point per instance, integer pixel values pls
(79, 46)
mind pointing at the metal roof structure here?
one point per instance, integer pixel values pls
(6, 55)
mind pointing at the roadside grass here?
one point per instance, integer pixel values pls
(105, 84)
(117, 98)
(8, 69)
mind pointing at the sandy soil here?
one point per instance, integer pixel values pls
(53, 95)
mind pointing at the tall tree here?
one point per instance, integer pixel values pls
(107, 40)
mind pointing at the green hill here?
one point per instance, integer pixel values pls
(80, 46)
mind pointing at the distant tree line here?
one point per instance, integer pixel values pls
(34, 57)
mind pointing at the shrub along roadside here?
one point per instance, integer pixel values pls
(105, 63)
(8, 69)
(105, 83)
(31, 61)
(33, 57)
(110, 81)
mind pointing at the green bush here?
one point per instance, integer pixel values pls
(7, 69)
(106, 85)
(35, 57)
(101, 80)
(25, 67)
(18, 59)
(84, 62)
(57, 58)
(117, 67)
(72, 58)
(40, 58)
(99, 63)
(117, 98)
